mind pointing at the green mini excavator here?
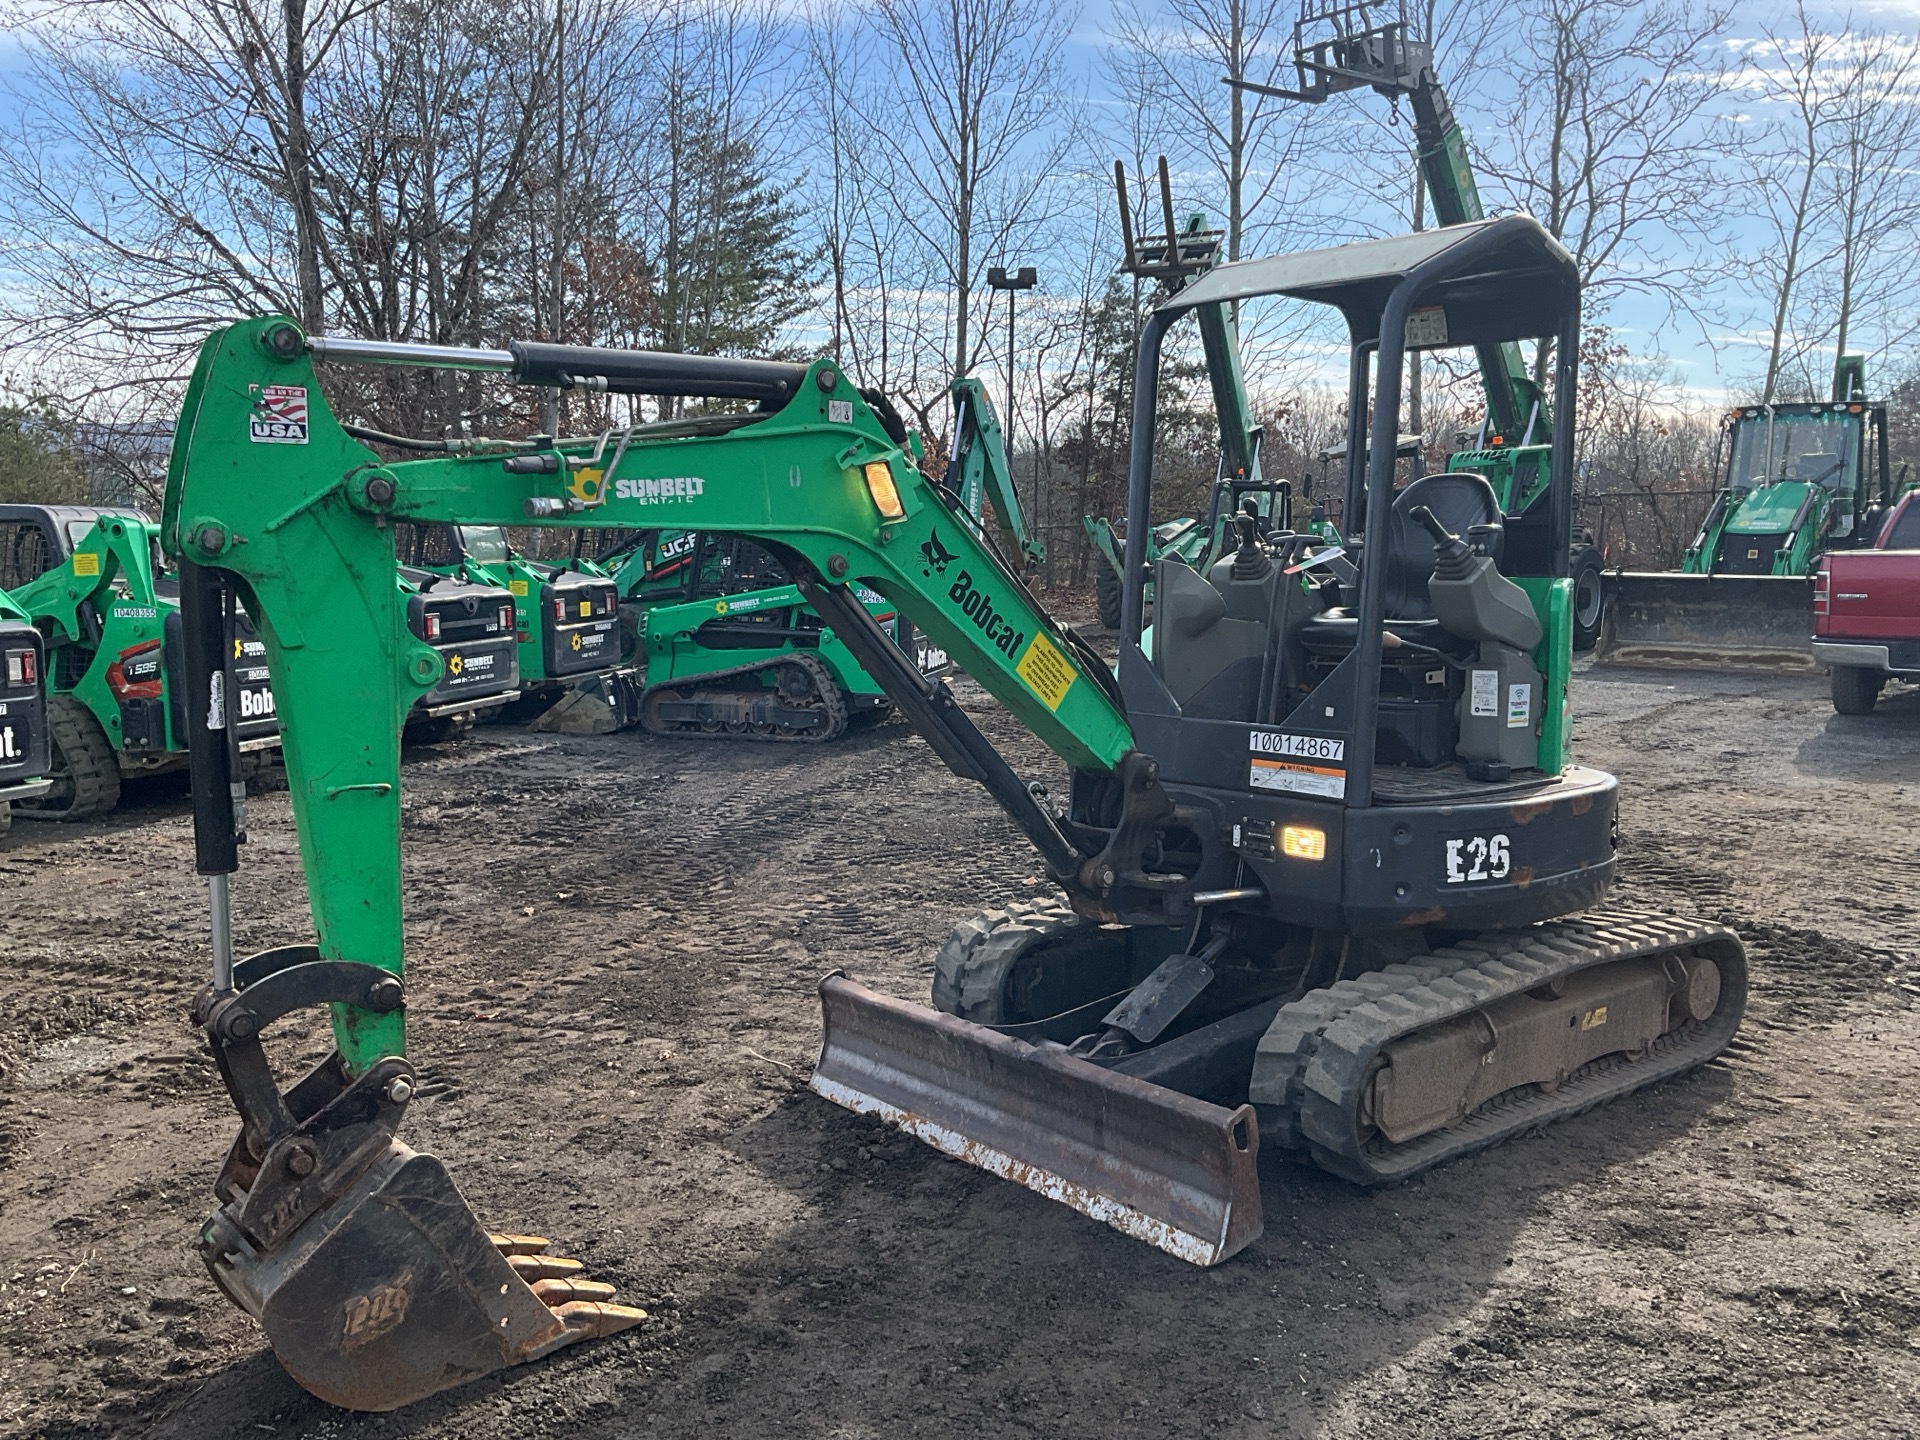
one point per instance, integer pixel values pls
(1329, 877)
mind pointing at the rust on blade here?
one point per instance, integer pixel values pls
(1160, 1166)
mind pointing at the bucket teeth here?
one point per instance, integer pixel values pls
(519, 1244)
(595, 1320)
(544, 1267)
(558, 1292)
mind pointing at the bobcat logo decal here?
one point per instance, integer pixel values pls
(938, 556)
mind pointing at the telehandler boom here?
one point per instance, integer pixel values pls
(1321, 848)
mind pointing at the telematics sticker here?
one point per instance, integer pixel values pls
(1046, 670)
(1519, 706)
(279, 416)
(1426, 326)
(1301, 764)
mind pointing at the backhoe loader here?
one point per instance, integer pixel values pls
(1323, 853)
(92, 581)
(24, 753)
(1801, 479)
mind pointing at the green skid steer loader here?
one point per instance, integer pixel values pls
(1331, 879)
(730, 648)
(91, 580)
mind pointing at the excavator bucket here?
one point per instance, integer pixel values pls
(1153, 1163)
(374, 1282)
(1708, 622)
(394, 1291)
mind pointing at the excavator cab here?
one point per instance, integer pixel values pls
(1324, 901)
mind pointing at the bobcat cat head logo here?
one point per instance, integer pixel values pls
(938, 556)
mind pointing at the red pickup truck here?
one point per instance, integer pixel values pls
(1866, 611)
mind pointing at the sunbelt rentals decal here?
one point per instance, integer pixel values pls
(1300, 764)
(675, 488)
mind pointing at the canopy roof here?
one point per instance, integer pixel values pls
(1513, 281)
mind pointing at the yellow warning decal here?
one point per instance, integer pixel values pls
(518, 587)
(586, 608)
(1047, 671)
(1594, 1018)
(85, 562)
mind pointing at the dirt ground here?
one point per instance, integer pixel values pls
(613, 947)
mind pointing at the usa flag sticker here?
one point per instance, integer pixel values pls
(279, 416)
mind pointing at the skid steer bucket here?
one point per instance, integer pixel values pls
(394, 1292)
(1159, 1166)
(1708, 622)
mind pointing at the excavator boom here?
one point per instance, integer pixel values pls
(331, 1231)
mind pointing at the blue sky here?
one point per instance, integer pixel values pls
(1353, 198)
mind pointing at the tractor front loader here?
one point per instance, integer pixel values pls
(1323, 854)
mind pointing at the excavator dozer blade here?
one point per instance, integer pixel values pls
(1708, 622)
(393, 1291)
(1158, 1165)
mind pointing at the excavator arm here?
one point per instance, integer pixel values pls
(273, 504)
(978, 471)
(299, 513)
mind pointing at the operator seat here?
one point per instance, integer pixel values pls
(1459, 500)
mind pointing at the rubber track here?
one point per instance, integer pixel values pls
(970, 971)
(93, 770)
(834, 706)
(1313, 1064)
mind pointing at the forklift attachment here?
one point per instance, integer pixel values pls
(1708, 622)
(1153, 1163)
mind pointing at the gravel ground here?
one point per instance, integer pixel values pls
(613, 943)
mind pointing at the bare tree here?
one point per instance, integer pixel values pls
(974, 120)
(1606, 143)
(1789, 76)
(1872, 189)
(173, 163)
(1169, 57)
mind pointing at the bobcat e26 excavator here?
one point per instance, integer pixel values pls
(1321, 843)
